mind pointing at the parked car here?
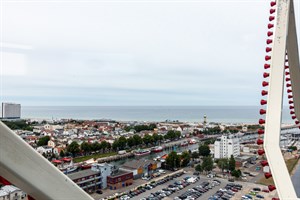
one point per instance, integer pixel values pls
(266, 190)
(231, 180)
(196, 173)
(257, 189)
(260, 196)
(99, 192)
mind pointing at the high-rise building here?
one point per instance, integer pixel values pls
(11, 111)
(227, 145)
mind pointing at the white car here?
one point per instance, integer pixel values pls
(191, 180)
(245, 198)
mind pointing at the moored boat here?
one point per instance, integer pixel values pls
(88, 163)
(141, 152)
(157, 149)
(192, 141)
(69, 169)
(184, 143)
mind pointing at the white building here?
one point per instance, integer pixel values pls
(11, 110)
(105, 169)
(44, 149)
(227, 145)
(10, 192)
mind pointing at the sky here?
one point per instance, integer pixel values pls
(133, 52)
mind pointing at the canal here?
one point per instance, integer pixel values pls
(154, 155)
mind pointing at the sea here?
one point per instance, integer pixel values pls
(225, 114)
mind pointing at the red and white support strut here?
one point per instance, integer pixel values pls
(21, 165)
(282, 54)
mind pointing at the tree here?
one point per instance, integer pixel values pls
(171, 134)
(108, 146)
(177, 134)
(223, 163)
(155, 137)
(130, 142)
(147, 139)
(293, 148)
(236, 173)
(104, 145)
(115, 145)
(43, 141)
(152, 126)
(207, 164)
(73, 148)
(231, 163)
(185, 158)
(204, 150)
(137, 140)
(161, 138)
(128, 128)
(173, 160)
(166, 137)
(210, 141)
(62, 153)
(19, 124)
(195, 155)
(198, 168)
(95, 146)
(122, 142)
(85, 147)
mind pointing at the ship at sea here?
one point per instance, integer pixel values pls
(142, 152)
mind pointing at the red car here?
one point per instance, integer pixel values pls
(234, 189)
(266, 190)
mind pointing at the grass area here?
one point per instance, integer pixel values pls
(95, 156)
(290, 164)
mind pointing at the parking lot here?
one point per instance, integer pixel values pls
(181, 187)
(189, 187)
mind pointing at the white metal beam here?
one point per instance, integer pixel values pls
(277, 164)
(24, 167)
(293, 56)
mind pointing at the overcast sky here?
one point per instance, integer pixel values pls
(133, 53)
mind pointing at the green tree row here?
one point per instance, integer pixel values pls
(139, 128)
(175, 161)
(19, 125)
(136, 140)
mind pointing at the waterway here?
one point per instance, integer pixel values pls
(154, 155)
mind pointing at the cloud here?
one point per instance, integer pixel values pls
(114, 53)
(4, 45)
(13, 64)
